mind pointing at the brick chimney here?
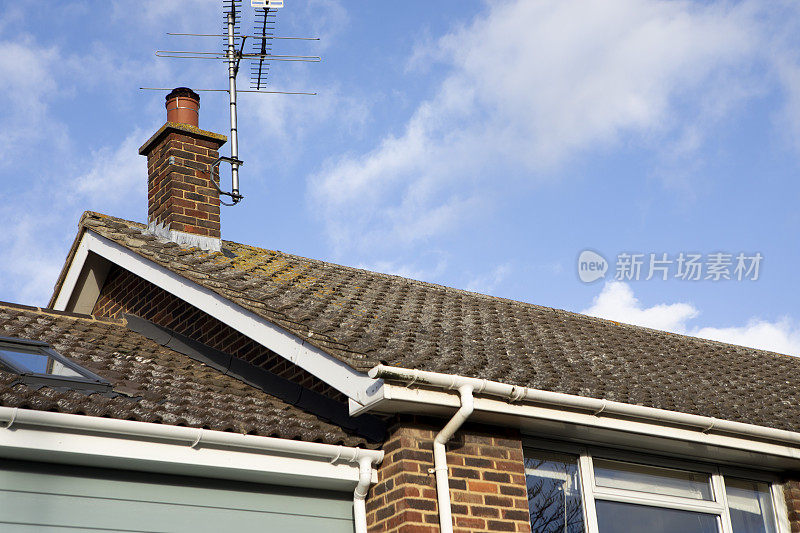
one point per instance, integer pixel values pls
(182, 202)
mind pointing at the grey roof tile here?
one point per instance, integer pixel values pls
(151, 383)
(363, 318)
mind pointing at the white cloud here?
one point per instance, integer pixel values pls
(487, 283)
(328, 18)
(782, 336)
(117, 174)
(617, 302)
(288, 119)
(43, 219)
(28, 265)
(790, 119)
(27, 85)
(11, 15)
(37, 78)
(177, 15)
(531, 84)
(406, 270)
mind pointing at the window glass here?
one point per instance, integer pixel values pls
(31, 362)
(616, 517)
(59, 369)
(37, 362)
(554, 493)
(750, 506)
(656, 480)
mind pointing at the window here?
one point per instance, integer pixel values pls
(554, 493)
(39, 364)
(605, 492)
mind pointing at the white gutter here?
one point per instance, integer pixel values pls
(440, 457)
(513, 393)
(198, 439)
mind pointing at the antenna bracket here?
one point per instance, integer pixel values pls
(234, 194)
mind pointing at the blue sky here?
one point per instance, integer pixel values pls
(477, 144)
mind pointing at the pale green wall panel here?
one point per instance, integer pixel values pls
(42, 497)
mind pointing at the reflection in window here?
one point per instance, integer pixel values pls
(36, 363)
(554, 495)
(750, 506)
(616, 517)
(656, 480)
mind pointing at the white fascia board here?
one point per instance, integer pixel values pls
(597, 429)
(73, 274)
(339, 375)
(108, 451)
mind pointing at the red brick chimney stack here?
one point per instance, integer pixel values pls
(182, 202)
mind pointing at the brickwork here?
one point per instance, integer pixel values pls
(124, 292)
(487, 481)
(180, 194)
(791, 492)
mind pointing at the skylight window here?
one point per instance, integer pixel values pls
(39, 364)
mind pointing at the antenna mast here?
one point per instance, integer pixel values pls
(233, 70)
(262, 53)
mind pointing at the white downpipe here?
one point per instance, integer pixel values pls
(360, 495)
(513, 393)
(440, 456)
(195, 437)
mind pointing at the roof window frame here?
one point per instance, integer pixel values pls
(87, 380)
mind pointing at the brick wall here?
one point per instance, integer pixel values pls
(180, 194)
(791, 491)
(124, 292)
(487, 481)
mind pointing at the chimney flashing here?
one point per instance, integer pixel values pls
(183, 239)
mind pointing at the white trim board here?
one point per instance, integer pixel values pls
(310, 358)
(550, 422)
(70, 282)
(148, 455)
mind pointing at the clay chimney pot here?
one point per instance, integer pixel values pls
(183, 107)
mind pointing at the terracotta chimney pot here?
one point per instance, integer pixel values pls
(183, 107)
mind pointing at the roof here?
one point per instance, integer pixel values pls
(151, 383)
(364, 318)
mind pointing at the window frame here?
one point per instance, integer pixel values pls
(590, 492)
(87, 380)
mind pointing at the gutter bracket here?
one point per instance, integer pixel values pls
(13, 418)
(602, 408)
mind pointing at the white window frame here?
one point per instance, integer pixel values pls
(590, 492)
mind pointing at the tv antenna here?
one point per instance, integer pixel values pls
(260, 57)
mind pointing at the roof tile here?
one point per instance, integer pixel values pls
(363, 318)
(151, 383)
